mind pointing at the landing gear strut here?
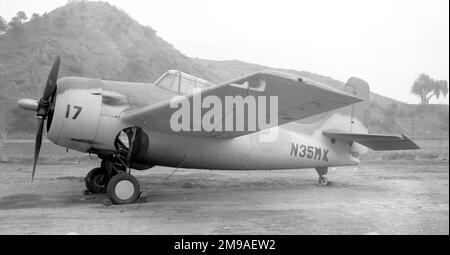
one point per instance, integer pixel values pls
(322, 171)
(114, 176)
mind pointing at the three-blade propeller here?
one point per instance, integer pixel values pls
(43, 108)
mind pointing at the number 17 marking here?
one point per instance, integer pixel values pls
(78, 108)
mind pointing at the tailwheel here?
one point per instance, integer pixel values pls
(96, 180)
(323, 181)
(322, 171)
(123, 188)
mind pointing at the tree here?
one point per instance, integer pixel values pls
(82, 5)
(5, 123)
(34, 16)
(14, 24)
(36, 21)
(16, 27)
(21, 16)
(426, 87)
(45, 18)
(3, 25)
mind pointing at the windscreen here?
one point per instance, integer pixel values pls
(181, 83)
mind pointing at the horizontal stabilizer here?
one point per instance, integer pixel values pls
(376, 142)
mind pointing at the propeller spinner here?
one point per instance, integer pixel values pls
(42, 108)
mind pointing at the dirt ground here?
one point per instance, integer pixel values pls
(402, 197)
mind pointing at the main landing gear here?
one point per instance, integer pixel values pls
(322, 171)
(114, 177)
(123, 188)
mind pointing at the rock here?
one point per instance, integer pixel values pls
(107, 202)
(188, 185)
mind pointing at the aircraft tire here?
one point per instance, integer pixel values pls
(123, 189)
(323, 181)
(96, 181)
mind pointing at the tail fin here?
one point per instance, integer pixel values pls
(358, 113)
(353, 119)
(349, 119)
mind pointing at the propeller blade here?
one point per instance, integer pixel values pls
(42, 108)
(50, 86)
(37, 145)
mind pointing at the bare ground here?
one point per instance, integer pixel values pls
(402, 197)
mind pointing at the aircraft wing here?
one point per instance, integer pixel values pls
(376, 142)
(298, 98)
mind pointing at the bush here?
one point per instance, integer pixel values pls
(60, 23)
(421, 155)
(394, 105)
(149, 32)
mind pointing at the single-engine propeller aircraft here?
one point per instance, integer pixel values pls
(131, 125)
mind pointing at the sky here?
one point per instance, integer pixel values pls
(387, 43)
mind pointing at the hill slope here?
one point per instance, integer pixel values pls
(95, 39)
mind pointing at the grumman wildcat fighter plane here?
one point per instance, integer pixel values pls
(137, 125)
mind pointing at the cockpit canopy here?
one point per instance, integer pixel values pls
(181, 83)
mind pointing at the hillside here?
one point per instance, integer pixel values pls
(96, 39)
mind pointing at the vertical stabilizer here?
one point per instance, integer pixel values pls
(358, 112)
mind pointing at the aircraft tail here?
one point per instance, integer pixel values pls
(355, 128)
(357, 115)
(349, 119)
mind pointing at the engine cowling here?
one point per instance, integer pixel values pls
(75, 113)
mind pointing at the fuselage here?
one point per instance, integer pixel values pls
(87, 119)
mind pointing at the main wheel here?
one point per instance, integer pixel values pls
(323, 181)
(96, 180)
(123, 189)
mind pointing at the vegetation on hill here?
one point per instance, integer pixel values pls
(95, 39)
(426, 87)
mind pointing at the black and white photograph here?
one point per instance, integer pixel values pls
(223, 118)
